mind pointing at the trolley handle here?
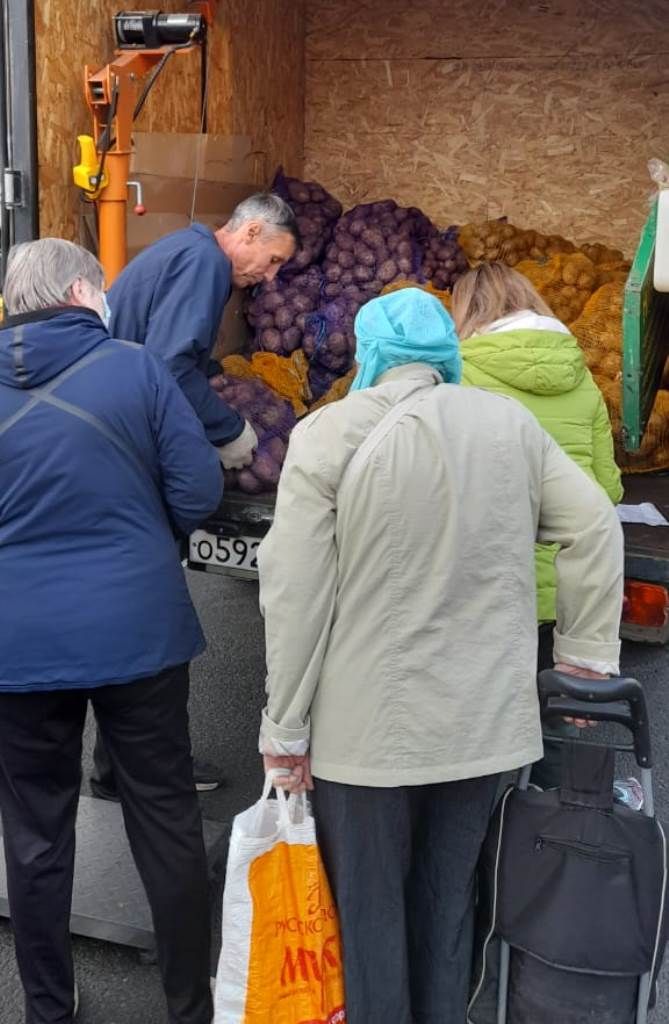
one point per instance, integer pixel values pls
(617, 700)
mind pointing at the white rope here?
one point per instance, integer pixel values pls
(205, 99)
(489, 936)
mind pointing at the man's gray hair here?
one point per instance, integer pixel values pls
(41, 274)
(269, 208)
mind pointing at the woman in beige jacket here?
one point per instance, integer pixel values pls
(397, 584)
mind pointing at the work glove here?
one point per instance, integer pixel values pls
(239, 453)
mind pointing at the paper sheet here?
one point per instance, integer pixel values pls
(645, 513)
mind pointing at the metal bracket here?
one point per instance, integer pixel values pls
(13, 189)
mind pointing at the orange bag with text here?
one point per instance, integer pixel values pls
(281, 959)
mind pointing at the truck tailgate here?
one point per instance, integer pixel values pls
(647, 547)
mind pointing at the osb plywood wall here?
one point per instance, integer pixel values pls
(255, 88)
(543, 110)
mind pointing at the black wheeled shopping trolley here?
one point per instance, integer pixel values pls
(573, 885)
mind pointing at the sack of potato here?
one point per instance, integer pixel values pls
(499, 240)
(566, 281)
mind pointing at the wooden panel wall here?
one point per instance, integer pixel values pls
(255, 88)
(545, 111)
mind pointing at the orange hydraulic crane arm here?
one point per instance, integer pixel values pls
(112, 96)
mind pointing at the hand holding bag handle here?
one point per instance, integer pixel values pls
(617, 700)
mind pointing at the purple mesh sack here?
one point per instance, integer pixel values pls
(443, 261)
(316, 212)
(278, 311)
(271, 417)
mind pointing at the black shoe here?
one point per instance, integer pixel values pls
(104, 792)
(206, 776)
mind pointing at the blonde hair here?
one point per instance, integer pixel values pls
(489, 292)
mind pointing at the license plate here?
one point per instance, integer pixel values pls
(238, 554)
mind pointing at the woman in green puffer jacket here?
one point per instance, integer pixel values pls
(512, 344)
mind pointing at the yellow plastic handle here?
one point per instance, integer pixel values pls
(87, 170)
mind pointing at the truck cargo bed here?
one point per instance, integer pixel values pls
(647, 547)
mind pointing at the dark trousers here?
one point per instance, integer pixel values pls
(402, 864)
(102, 776)
(145, 728)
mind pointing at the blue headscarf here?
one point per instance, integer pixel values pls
(406, 326)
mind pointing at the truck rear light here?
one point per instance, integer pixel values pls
(645, 604)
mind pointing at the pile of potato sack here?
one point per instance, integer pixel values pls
(303, 345)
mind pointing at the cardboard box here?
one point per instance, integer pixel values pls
(180, 174)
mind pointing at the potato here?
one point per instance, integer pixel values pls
(298, 191)
(338, 343)
(569, 273)
(270, 340)
(302, 303)
(277, 449)
(332, 208)
(373, 237)
(332, 290)
(357, 226)
(265, 468)
(248, 482)
(272, 301)
(387, 271)
(345, 242)
(333, 272)
(364, 255)
(347, 277)
(283, 318)
(291, 338)
(363, 274)
(266, 320)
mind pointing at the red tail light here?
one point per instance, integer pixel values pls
(645, 604)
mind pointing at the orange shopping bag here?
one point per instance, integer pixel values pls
(281, 960)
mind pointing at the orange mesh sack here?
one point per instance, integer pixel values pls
(654, 452)
(444, 297)
(281, 957)
(566, 281)
(598, 331)
(237, 366)
(286, 376)
(339, 389)
(498, 240)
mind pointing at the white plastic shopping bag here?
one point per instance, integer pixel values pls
(281, 958)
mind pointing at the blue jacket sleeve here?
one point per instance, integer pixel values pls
(184, 318)
(191, 473)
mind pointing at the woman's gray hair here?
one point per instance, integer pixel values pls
(41, 274)
(269, 208)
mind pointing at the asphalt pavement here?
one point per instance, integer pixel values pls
(226, 696)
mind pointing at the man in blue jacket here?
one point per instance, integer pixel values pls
(102, 460)
(171, 298)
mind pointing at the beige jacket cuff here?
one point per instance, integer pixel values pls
(598, 656)
(278, 741)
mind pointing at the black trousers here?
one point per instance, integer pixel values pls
(402, 864)
(145, 729)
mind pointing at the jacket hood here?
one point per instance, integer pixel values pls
(541, 362)
(35, 347)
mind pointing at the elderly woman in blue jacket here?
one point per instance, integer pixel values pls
(102, 461)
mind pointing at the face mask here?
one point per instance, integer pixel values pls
(106, 312)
